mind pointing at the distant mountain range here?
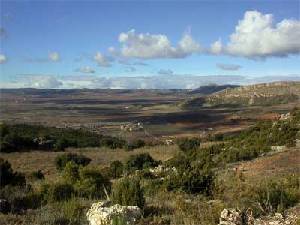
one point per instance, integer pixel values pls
(138, 82)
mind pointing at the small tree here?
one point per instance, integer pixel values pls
(127, 191)
(92, 184)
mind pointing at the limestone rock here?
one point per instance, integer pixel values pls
(236, 217)
(231, 217)
(105, 213)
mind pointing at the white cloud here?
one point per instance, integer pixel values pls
(256, 36)
(174, 81)
(230, 67)
(187, 45)
(34, 81)
(150, 46)
(216, 47)
(165, 72)
(85, 69)
(3, 59)
(102, 60)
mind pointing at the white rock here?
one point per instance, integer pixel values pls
(104, 213)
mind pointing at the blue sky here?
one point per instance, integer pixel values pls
(62, 38)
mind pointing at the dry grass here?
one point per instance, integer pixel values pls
(28, 162)
(277, 164)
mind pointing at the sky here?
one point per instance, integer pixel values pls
(68, 44)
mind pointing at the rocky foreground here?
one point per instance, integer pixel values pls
(236, 217)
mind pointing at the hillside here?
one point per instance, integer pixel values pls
(210, 89)
(258, 94)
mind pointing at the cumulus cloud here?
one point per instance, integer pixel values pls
(85, 69)
(54, 56)
(165, 72)
(256, 36)
(37, 81)
(150, 46)
(230, 67)
(3, 59)
(102, 60)
(216, 47)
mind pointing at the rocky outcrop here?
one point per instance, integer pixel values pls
(105, 213)
(236, 217)
(231, 217)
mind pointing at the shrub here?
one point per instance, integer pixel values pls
(92, 184)
(195, 179)
(71, 172)
(70, 212)
(63, 159)
(57, 192)
(274, 194)
(38, 175)
(127, 191)
(8, 176)
(61, 144)
(112, 142)
(21, 137)
(140, 161)
(116, 169)
(134, 144)
(188, 144)
(20, 198)
(278, 195)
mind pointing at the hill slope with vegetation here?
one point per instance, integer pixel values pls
(191, 187)
(258, 94)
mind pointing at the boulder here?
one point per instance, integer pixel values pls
(231, 217)
(105, 213)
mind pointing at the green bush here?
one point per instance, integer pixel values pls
(92, 184)
(112, 142)
(195, 179)
(140, 161)
(63, 159)
(127, 191)
(71, 172)
(61, 144)
(116, 169)
(134, 144)
(188, 144)
(8, 176)
(57, 192)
